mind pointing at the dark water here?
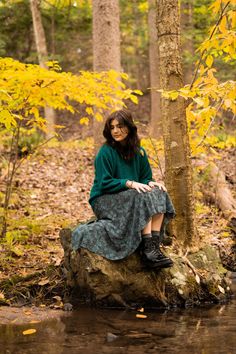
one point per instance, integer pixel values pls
(208, 330)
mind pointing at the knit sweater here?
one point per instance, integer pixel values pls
(112, 171)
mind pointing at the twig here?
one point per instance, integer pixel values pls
(158, 160)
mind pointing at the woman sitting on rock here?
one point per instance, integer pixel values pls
(130, 207)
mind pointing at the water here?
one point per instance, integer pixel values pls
(205, 330)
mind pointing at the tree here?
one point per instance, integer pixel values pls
(106, 44)
(40, 41)
(155, 121)
(176, 141)
(186, 21)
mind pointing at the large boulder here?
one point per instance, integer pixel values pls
(198, 277)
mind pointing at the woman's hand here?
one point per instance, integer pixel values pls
(140, 187)
(159, 185)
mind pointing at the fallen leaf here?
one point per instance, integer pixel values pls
(43, 282)
(29, 331)
(141, 309)
(138, 335)
(197, 278)
(15, 320)
(28, 313)
(57, 298)
(140, 316)
(34, 321)
(222, 290)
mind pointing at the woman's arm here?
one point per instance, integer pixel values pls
(145, 170)
(104, 173)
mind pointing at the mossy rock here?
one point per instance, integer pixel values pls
(126, 283)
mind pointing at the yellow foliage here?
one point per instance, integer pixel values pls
(207, 96)
(26, 88)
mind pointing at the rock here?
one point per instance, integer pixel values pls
(111, 337)
(67, 307)
(95, 280)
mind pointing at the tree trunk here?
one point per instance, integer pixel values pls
(155, 121)
(187, 41)
(40, 41)
(217, 191)
(106, 45)
(176, 141)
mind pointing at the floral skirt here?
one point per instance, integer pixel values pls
(120, 219)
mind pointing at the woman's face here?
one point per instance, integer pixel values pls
(119, 131)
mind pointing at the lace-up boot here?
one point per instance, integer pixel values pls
(153, 257)
(156, 240)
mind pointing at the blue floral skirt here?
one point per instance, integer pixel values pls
(120, 219)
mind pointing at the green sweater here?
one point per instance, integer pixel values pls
(112, 171)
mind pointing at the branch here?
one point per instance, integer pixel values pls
(33, 151)
(210, 37)
(158, 160)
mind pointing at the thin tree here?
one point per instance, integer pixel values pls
(178, 172)
(41, 46)
(155, 120)
(187, 42)
(106, 44)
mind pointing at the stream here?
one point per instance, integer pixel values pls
(204, 330)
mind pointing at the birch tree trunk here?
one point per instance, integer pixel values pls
(155, 121)
(106, 45)
(176, 141)
(41, 46)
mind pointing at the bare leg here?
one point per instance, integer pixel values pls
(156, 222)
(148, 228)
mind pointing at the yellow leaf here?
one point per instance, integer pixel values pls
(89, 110)
(84, 120)
(174, 95)
(98, 117)
(29, 331)
(222, 25)
(209, 61)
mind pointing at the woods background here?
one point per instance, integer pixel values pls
(185, 50)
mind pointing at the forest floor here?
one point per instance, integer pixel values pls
(51, 191)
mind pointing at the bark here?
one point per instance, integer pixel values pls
(155, 121)
(176, 141)
(106, 45)
(187, 40)
(40, 41)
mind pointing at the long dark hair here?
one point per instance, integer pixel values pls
(132, 143)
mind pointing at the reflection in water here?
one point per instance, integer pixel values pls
(206, 330)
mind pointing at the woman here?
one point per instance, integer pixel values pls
(130, 207)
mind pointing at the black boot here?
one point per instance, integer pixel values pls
(156, 239)
(152, 257)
